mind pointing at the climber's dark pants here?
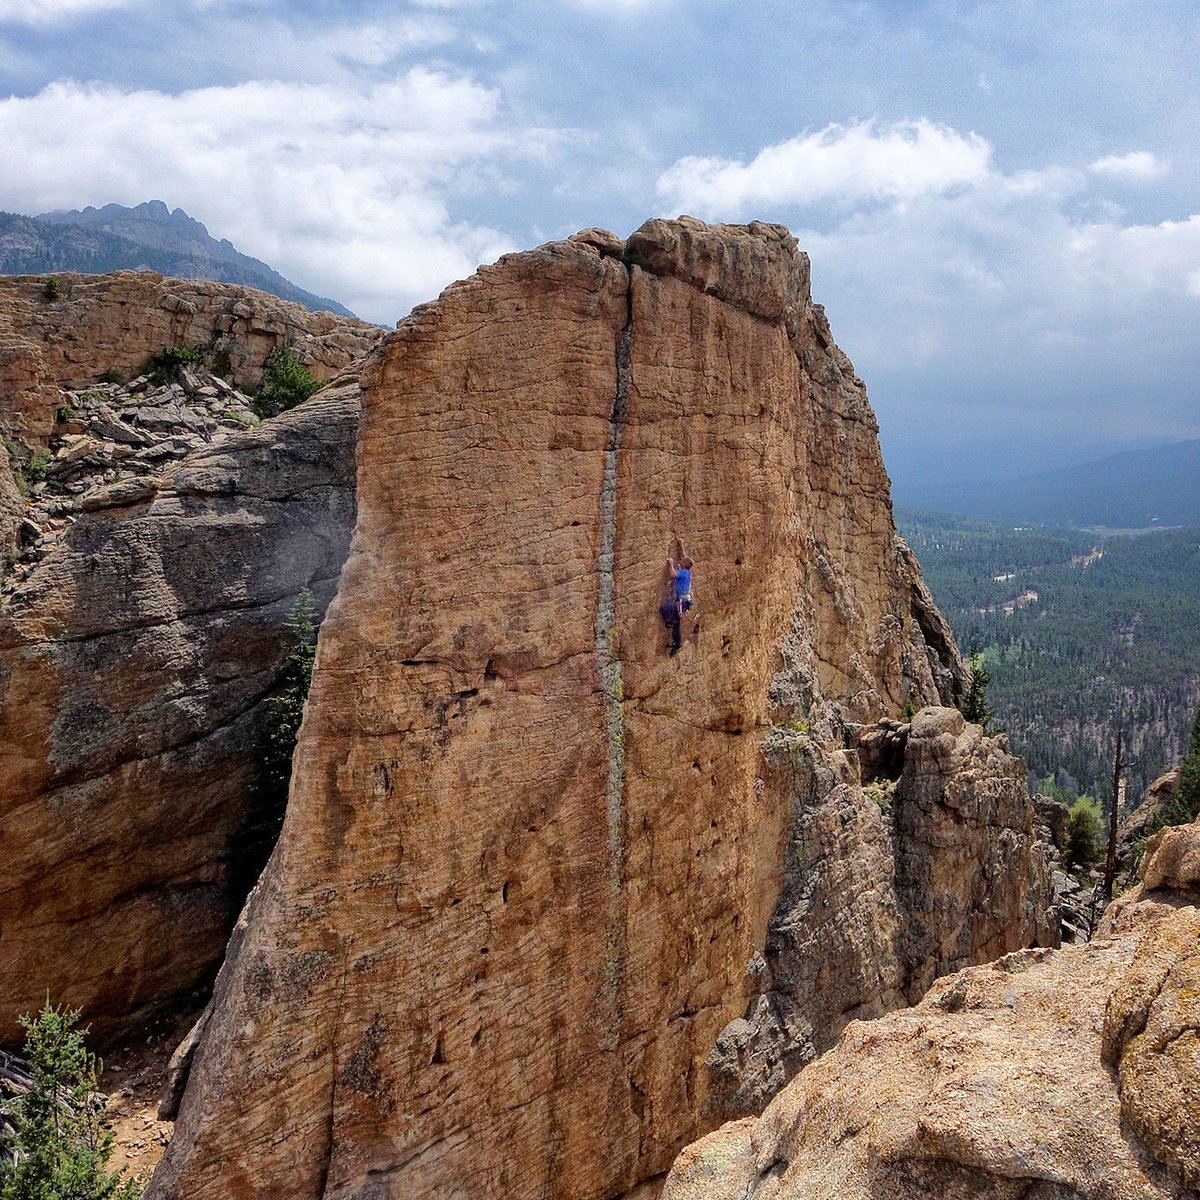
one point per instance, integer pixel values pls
(669, 611)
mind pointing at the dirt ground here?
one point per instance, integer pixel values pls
(134, 1073)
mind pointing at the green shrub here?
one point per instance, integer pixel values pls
(1085, 835)
(286, 382)
(50, 287)
(28, 467)
(112, 375)
(165, 365)
(881, 794)
(61, 1143)
(35, 468)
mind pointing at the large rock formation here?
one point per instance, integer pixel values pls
(133, 661)
(1073, 1073)
(141, 623)
(528, 857)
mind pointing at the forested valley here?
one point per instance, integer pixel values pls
(1083, 634)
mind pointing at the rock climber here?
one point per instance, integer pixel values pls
(679, 601)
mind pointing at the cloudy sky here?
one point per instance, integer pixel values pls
(1001, 199)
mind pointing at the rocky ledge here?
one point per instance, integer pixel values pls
(79, 329)
(111, 443)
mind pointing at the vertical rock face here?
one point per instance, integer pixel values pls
(527, 856)
(970, 889)
(133, 660)
(11, 502)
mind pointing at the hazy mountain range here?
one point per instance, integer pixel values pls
(147, 237)
(1137, 489)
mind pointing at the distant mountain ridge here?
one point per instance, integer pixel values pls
(148, 236)
(1135, 489)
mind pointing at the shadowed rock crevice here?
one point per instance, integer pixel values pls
(608, 665)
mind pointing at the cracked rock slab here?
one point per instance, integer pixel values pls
(1152, 1038)
(989, 1088)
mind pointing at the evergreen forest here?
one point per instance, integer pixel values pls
(1082, 634)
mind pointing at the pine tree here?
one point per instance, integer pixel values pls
(975, 705)
(61, 1144)
(251, 845)
(1085, 835)
(286, 707)
(1184, 806)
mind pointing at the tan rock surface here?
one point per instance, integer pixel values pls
(998, 1083)
(12, 504)
(1172, 860)
(1152, 1037)
(1133, 827)
(133, 660)
(528, 856)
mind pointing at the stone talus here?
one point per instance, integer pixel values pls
(527, 856)
(99, 323)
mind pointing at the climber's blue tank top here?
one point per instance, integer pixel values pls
(683, 582)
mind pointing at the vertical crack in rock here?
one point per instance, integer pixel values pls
(608, 663)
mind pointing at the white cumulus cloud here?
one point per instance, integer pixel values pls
(346, 189)
(621, 7)
(868, 160)
(1002, 304)
(1140, 165)
(49, 12)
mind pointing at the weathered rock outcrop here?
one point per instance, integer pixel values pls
(133, 662)
(1134, 828)
(93, 324)
(1072, 1073)
(110, 445)
(12, 503)
(1152, 1040)
(886, 888)
(527, 856)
